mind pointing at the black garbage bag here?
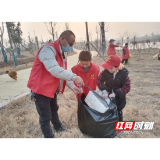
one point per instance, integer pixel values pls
(94, 123)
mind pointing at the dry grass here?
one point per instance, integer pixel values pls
(20, 118)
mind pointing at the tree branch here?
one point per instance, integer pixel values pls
(48, 29)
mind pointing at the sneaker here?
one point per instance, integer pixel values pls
(61, 129)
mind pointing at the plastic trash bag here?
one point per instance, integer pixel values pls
(130, 55)
(155, 57)
(129, 60)
(94, 123)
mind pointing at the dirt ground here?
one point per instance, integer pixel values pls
(20, 118)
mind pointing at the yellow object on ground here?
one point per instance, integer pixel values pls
(155, 57)
(130, 56)
(129, 60)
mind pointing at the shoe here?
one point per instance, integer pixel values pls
(61, 129)
(53, 137)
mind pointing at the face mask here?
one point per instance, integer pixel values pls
(67, 48)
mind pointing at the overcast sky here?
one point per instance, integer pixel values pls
(115, 28)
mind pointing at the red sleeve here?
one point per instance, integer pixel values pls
(127, 85)
(113, 46)
(100, 81)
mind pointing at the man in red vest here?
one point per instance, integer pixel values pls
(125, 54)
(48, 77)
(111, 47)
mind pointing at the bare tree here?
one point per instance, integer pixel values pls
(96, 41)
(1, 37)
(121, 35)
(37, 42)
(90, 37)
(139, 47)
(1, 43)
(118, 43)
(51, 29)
(57, 33)
(67, 27)
(100, 35)
(154, 39)
(24, 42)
(134, 40)
(1, 34)
(30, 43)
(127, 35)
(148, 43)
(6, 42)
(144, 44)
(41, 42)
(82, 43)
(104, 29)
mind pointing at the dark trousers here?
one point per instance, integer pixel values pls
(124, 60)
(47, 109)
(120, 115)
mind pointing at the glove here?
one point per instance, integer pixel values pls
(112, 95)
(105, 94)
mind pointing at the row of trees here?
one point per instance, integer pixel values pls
(17, 42)
(53, 31)
(136, 42)
(133, 39)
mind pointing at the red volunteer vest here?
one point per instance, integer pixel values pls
(89, 78)
(40, 80)
(159, 56)
(127, 53)
(110, 51)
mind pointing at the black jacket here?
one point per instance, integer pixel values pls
(120, 85)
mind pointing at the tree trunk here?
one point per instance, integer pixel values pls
(100, 46)
(103, 38)
(87, 36)
(52, 31)
(9, 35)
